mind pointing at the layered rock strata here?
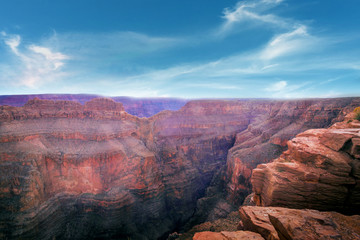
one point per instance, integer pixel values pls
(266, 137)
(72, 171)
(140, 107)
(320, 170)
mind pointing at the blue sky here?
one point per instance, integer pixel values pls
(181, 48)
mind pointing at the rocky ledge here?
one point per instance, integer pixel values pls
(277, 223)
(282, 223)
(320, 170)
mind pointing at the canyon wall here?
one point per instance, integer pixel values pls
(320, 170)
(71, 171)
(266, 137)
(140, 107)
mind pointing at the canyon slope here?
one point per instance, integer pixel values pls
(320, 170)
(72, 171)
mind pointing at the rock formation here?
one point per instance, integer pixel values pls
(266, 137)
(244, 235)
(320, 170)
(275, 223)
(72, 171)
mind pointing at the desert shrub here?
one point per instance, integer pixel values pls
(357, 116)
(357, 113)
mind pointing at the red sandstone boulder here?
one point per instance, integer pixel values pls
(239, 235)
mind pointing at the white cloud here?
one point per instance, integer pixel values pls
(251, 11)
(35, 65)
(276, 87)
(13, 42)
(55, 60)
(286, 43)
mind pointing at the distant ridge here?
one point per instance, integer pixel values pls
(140, 107)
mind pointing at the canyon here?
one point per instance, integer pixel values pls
(75, 170)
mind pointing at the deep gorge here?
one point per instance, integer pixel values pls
(70, 171)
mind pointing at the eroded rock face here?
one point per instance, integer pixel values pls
(320, 170)
(74, 171)
(275, 223)
(81, 177)
(266, 136)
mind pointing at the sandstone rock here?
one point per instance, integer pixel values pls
(284, 223)
(267, 134)
(320, 170)
(239, 235)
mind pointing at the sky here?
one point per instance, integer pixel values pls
(181, 48)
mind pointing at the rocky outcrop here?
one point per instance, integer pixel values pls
(244, 235)
(275, 223)
(320, 170)
(266, 136)
(71, 171)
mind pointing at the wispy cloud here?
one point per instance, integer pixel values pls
(284, 89)
(292, 59)
(277, 86)
(13, 42)
(35, 65)
(294, 41)
(251, 11)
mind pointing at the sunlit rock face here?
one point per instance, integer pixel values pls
(320, 170)
(93, 171)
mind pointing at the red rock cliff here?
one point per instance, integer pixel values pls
(72, 171)
(320, 170)
(266, 136)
